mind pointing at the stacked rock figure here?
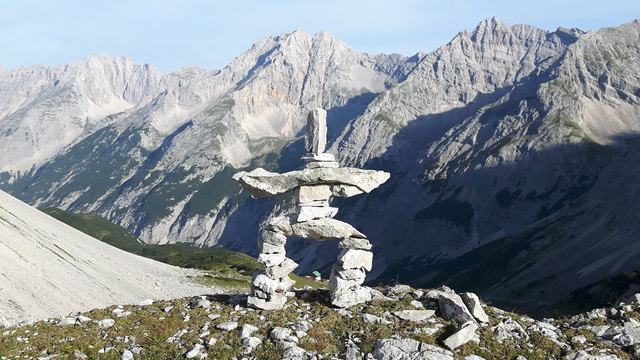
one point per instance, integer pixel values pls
(314, 187)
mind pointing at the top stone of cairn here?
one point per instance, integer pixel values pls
(316, 138)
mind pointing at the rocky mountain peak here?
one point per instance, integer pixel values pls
(489, 29)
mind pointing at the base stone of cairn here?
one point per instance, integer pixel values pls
(314, 186)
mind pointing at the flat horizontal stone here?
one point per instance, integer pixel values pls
(262, 183)
(322, 157)
(354, 243)
(316, 203)
(306, 213)
(414, 315)
(271, 286)
(322, 164)
(356, 259)
(266, 248)
(351, 274)
(465, 334)
(271, 238)
(314, 192)
(324, 229)
(227, 326)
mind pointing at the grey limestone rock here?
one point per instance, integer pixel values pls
(270, 286)
(316, 137)
(414, 315)
(373, 319)
(246, 330)
(262, 183)
(306, 213)
(196, 350)
(408, 349)
(127, 355)
(279, 333)
(338, 285)
(509, 329)
(351, 297)
(270, 260)
(281, 270)
(106, 323)
(356, 259)
(354, 243)
(266, 248)
(465, 334)
(311, 193)
(250, 343)
(474, 306)
(295, 353)
(227, 326)
(345, 190)
(351, 274)
(275, 302)
(324, 229)
(272, 238)
(583, 355)
(398, 291)
(450, 306)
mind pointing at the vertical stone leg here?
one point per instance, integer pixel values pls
(270, 286)
(349, 274)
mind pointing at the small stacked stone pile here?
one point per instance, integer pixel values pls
(348, 275)
(314, 188)
(269, 286)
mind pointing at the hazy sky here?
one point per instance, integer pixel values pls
(173, 34)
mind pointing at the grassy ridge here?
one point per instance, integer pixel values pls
(227, 268)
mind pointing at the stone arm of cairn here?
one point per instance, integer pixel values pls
(344, 182)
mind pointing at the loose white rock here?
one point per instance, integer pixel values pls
(195, 351)
(474, 306)
(246, 330)
(106, 323)
(227, 325)
(466, 333)
(127, 355)
(414, 315)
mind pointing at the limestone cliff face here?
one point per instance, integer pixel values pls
(158, 165)
(490, 140)
(44, 109)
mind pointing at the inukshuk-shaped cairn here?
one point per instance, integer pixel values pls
(314, 186)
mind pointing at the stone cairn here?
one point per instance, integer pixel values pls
(314, 186)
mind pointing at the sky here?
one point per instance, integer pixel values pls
(174, 34)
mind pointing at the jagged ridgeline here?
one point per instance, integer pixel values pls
(511, 151)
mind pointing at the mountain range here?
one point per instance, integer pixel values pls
(511, 151)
